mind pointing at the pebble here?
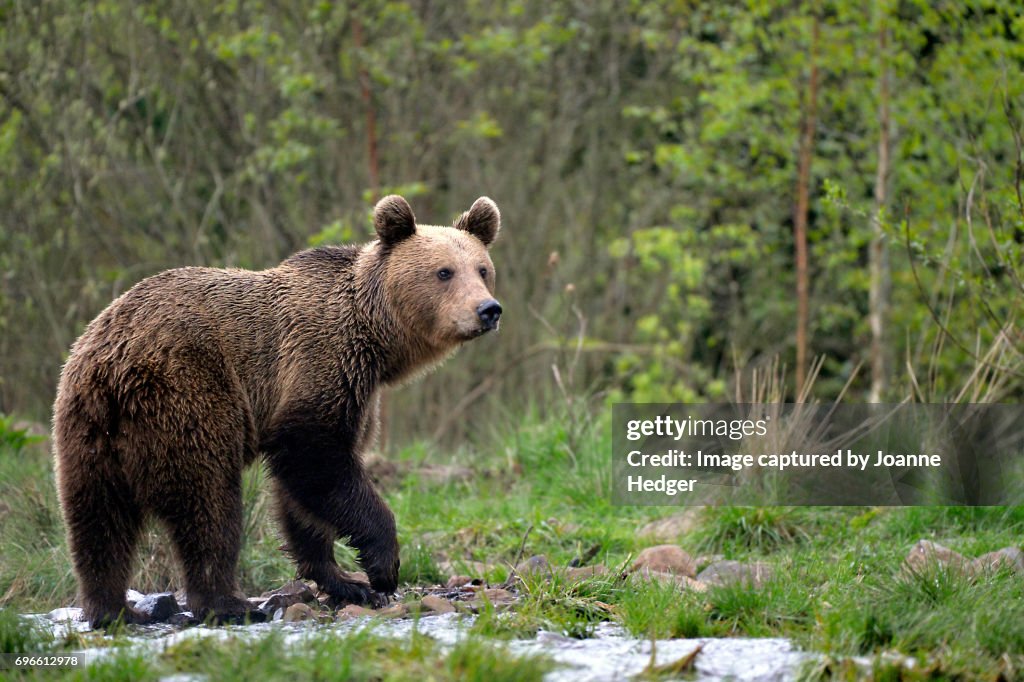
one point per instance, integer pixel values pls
(666, 559)
(495, 595)
(926, 553)
(754, 574)
(354, 611)
(158, 607)
(437, 604)
(681, 581)
(394, 611)
(1007, 557)
(298, 612)
(533, 565)
(457, 581)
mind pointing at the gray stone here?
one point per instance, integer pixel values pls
(65, 614)
(754, 574)
(927, 553)
(158, 607)
(295, 592)
(533, 565)
(184, 618)
(1007, 557)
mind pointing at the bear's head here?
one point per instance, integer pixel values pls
(439, 281)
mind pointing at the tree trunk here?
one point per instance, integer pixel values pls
(373, 172)
(800, 212)
(878, 296)
(371, 115)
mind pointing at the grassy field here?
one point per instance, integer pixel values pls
(543, 488)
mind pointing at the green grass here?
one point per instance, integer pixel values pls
(361, 655)
(538, 488)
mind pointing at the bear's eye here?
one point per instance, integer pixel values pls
(444, 274)
(483, 272)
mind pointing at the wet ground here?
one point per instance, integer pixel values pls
(611, 654)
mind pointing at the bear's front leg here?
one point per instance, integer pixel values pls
(350, 508)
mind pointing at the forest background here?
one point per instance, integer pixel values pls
(693, 193)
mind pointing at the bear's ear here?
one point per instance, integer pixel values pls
(482, 220)
(393, 219)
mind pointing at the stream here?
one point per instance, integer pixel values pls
(611, 654)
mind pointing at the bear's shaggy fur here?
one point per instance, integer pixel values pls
(195, 373)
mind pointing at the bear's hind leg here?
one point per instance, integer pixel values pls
(103, 527)
(205, 522)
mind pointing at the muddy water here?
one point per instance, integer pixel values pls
(611, 654)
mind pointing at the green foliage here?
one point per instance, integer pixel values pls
(764, 529)
(643, 155)
(15, 438)
(19, 635)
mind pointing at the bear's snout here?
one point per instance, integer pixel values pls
(489, 313)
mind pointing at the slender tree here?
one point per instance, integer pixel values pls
(803, 190)
(878, 297)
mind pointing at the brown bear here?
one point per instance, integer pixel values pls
(195, 373)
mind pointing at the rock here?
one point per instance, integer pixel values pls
(705, 560)
(295, 588)
(671, 528)
(585, 572)
(133, 597)
(278, 602)
(755, 574)
(1007, 557)
(927, 553)
(158, 607)
(495, 595)
(355, 611)
(665, 559)
(457, 581)
(298, 612)
(183, 618)
(295, 592)
(64, 614)
(534, 565)
(437, 604)
(680, 581)
(394, 611)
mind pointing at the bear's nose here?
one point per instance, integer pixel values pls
(489, 311)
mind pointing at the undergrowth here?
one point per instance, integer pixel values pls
(838, 584)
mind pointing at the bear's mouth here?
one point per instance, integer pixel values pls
(480, 331)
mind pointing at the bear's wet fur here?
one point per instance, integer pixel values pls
(195, 373)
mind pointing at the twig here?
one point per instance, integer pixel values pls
(519, 557)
